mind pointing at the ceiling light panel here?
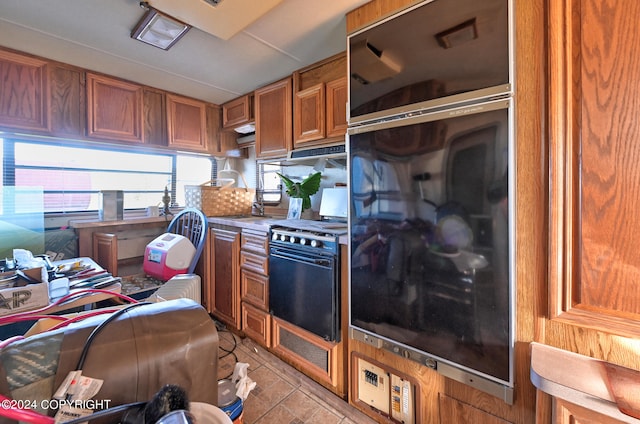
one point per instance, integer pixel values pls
(159, 30)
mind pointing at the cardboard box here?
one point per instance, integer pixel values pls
(24, 298)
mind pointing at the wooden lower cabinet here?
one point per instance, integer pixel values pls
(455, 411)
(224, 278)
(105, 251)
(254, 288)
(567, 413)
(118, 246)
(256, 324)
(254, 276)
(314, 356)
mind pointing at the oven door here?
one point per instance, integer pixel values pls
(303, 289)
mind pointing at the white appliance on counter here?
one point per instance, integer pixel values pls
(334, 203)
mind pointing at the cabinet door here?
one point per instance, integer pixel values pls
(219, 142)
(238, 111)
(256, 324)
(186, 123)
(594, 302)
(24, 96)
(454, 411)
(255, 289)
(155, 117)
(68, 106)
(568, 413)
(114, 109)
(309, 115)
(225, 276)
(273, 119)
(337, 93)
(105, 251)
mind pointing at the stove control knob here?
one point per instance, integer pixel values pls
(283, 237)
(274, 237)
(293, 239)
(303, 241)
(316, 243)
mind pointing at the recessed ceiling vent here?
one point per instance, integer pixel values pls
(213, 3)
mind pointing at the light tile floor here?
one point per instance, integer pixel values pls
(282, 394)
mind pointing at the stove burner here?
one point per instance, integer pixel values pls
(328, 227)
(307, 234)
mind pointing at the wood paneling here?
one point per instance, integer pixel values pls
(460, 412)
(374, 11)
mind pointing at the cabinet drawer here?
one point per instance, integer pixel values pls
(254, 262)
(256, 324)
(255, 289)
(255, 242)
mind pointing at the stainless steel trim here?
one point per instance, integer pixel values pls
(460, 100)
(476, 380)
(429, 116)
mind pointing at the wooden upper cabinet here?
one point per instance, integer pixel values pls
(220, 142)
(24, 95)
(154, 117)
(114, 109)
(186, 123)
(238, 112)
(309, 117)
(68, 100)
(337, 95)
(320, 102)
(273, 119)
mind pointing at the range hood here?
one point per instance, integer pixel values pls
(334, 151)
(333, 156)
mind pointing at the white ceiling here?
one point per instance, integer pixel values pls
(95, 35)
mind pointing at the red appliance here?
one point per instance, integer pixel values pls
(168, 255)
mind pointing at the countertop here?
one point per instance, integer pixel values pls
(90, 223)
(258, 223)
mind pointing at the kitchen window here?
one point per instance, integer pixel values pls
(269, 185)
(60, 178)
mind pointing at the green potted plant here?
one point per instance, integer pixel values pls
(304, 189)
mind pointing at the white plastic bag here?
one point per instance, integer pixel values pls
(243, 383)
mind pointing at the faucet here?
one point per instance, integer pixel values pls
(259, 207)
